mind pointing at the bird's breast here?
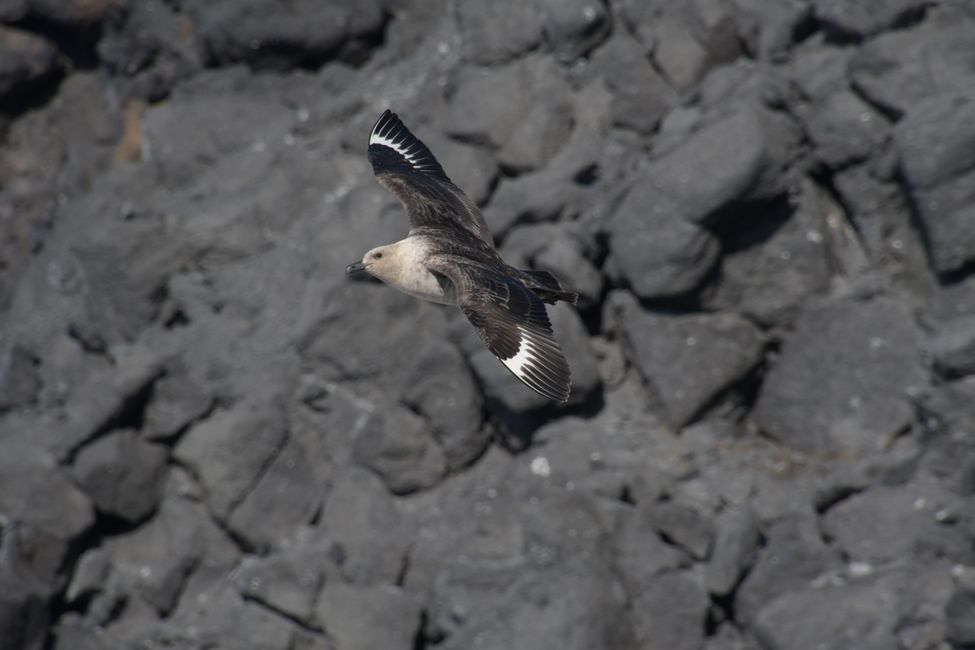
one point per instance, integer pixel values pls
(421, 283)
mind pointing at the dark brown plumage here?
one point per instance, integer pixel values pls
(449, 256)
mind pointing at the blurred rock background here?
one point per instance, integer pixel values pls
(209, 438)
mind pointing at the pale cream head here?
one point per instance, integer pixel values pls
(383, 262)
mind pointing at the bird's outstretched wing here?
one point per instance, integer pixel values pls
(513, 323)
(408, 169)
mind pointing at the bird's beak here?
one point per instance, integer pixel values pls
(355, 267)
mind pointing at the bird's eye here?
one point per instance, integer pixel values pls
(378, 256)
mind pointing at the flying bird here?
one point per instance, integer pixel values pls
(449, 257)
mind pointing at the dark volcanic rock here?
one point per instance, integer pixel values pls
(230, 450)
(868, 351)
(843, 126)
(45, 529)
(73, 12)
(13, 10)
(641, 97)
(654, 248)
(899, 607)
(528, 561)
(23, 599)
(155, 560)
(361, 618)
(960, 618)
(151, 47)
(735, 548)
(401, 449)
(863, 19)
(897, 70)
(24, 58)
(769, 267)
(178, 399)
(740, 156)
(853, 615)
(288, 582)
(444, 392)
(218, 615)
(365, 532)
(19, 378)
(689, 360)
(641, 555)
(122, 474)
(934, 142)
(266, 33)
(952, 349)
(683, 526)
(883, 523)
(845, 129)
(794, 554)
(686, 39)
(671, 612)
(573, 28)
(498, 31)
(288, 493)
(768, 31)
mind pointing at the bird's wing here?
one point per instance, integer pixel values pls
(512, 322)
(408, 169)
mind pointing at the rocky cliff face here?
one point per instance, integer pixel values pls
(209, 438)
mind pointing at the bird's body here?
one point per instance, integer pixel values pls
(449, 257)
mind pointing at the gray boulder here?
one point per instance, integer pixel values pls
(640, 96)
(739, 156)
(688, 361)
(496, 32)
(574, 28)
(837, 617)
(793, 556)
(401, 449)
(868, 351)
(654, 248)
(671, 612)
(362, 618)
(884, 524)
(363, 530)
(24, 600)
(772, 265)
(288, 582)
(265, 33)
(122, 474)
(859, 21)
(44, 530)
(960, 618)
(231, 449)
(934, 143)
(899, 69)
(735, 548)
(25, 58)
(952, 348)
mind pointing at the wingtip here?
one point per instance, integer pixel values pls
(393, 146)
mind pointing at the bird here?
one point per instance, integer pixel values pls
(449, 257)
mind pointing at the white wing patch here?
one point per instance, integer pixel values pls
(533, 364)
(411, 153)
(391, 135)
(526, 355)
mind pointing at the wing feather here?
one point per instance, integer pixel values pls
(512, 322)
(407, 168)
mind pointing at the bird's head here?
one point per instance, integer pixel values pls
(378, 263)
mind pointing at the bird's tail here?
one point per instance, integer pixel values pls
(547, 287)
